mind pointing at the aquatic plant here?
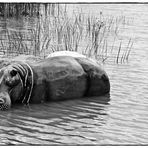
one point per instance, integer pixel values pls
(56, 30)
(17, 10)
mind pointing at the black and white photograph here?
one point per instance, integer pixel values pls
(73, 73)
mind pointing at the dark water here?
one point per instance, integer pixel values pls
(121, 121)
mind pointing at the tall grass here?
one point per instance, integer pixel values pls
(17, 10)
(55, 30)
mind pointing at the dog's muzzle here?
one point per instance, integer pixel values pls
(5, 103)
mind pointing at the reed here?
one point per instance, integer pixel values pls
(125, 53)
(55, 30)
(119, 52)
(128, 53)
(17, 10)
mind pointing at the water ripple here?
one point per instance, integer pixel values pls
(120, 119)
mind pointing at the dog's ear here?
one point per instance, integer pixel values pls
(16, 93)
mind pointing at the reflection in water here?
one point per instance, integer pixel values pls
(62, 122)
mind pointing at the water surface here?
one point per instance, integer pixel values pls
(121, 121)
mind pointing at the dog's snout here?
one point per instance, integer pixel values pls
(5, 102)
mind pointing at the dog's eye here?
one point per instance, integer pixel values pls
(13, 73)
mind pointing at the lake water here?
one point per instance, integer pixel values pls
(90, 121)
